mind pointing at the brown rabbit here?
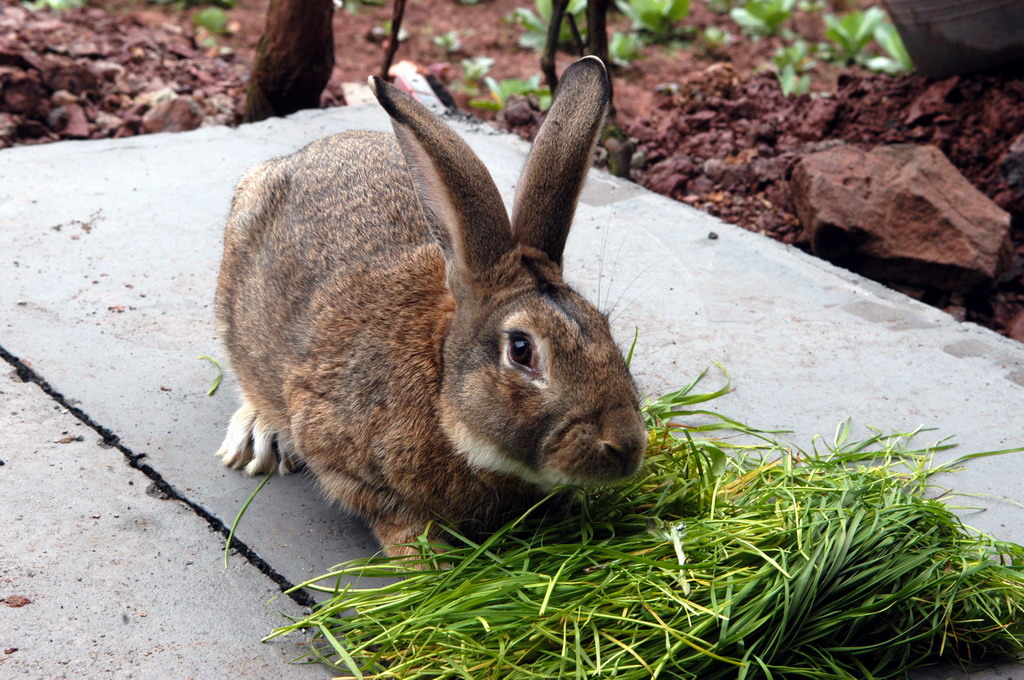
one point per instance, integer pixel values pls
(390, 327)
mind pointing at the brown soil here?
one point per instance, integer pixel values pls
(720, 136)
(730, 150)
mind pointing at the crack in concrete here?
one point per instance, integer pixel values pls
(135, 460)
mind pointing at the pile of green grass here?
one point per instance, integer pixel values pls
(722, 560)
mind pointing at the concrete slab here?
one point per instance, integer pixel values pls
(118, 582)
(111, 248)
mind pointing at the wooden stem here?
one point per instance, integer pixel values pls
(396, 28)
(293, 61)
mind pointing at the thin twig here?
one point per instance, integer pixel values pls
(396, 27)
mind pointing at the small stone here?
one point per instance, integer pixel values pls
(1015, 328)
(1011, 167)
(84, 48)
(519, 111)
(20, 92)
(108, 121)
(63, 98)
(109, 70)
(8, 124)
(153, 97)
(176, 115)
(75, 124)
(64, 73)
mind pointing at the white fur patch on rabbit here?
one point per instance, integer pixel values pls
(251, 443)
(486, 456)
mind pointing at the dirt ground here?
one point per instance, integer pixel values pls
(712, 126)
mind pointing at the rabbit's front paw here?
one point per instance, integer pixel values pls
(251, 443)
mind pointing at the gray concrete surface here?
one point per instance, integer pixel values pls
(110, 252)
(120, 583)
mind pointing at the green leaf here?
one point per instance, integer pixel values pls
(624, 48)
(55, 5)
(763, 17)
(238, 517)
(220, 375)
(536, 23)
(657, 17)
(888, 38)
(212, 19)
(475, 68)
(854, 31)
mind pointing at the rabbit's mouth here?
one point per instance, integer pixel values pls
(484, 455)
(594, 453)
(571, 456)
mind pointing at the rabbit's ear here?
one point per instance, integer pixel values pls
(452, 181)
(558, 163)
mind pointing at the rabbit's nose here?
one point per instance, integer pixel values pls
(627, 458)
(624, 439)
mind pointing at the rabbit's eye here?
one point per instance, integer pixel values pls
(521, 352)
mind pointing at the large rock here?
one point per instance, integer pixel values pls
(900, 214)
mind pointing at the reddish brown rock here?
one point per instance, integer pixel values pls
(175, 115)
(69, 121)
(1015, 328)
(521, 112)
(8, 125)
(20, 91)
(1011, 167)
(821, 115)
(932, 102)
(900, 214)
(64, 73)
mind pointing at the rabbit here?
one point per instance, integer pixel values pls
(393, 331)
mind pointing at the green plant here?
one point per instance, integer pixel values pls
(713, 39)
(657, 17)
(853, 32)
(763, 17)
(500, 91)
(536, 24)
(896, 58)
(449, 42)
(212, 19)
(238, 517)
(186, 4)
(473, 71)
(220, 374)
(811, 5)
(625, 48)
(792, 63)
(55, 5)
(475, 68)
(352, 6)
(720, 6)
(385, 30)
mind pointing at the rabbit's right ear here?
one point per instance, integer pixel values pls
(560, 158)
(452, 181)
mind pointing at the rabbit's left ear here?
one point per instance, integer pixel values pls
(561, 156)
(453, 183)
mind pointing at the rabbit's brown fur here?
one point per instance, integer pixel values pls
(375, 302)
